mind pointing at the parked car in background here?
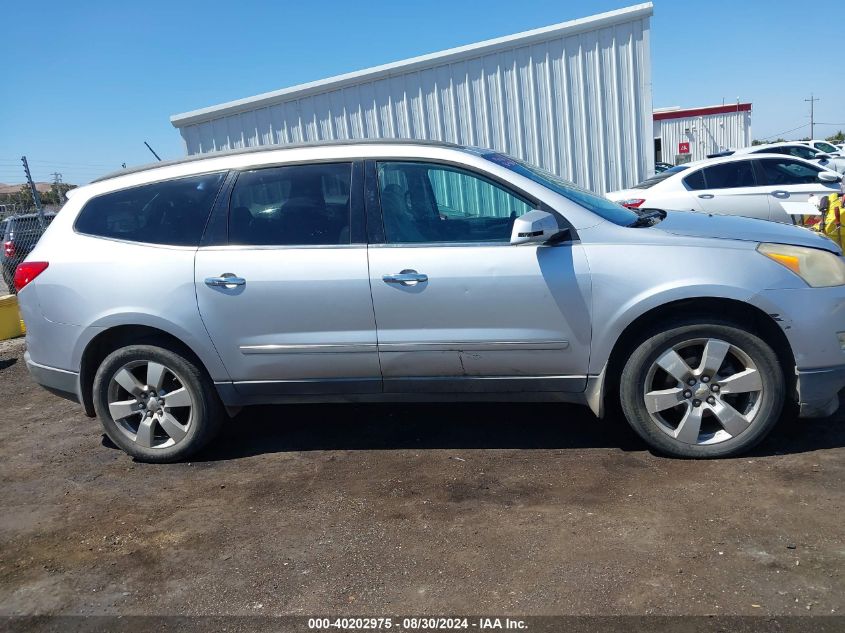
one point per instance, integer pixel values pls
(421, 271)
(823, 146)
(764, 186)
(19, 234)
(799, 150)
(661, 167)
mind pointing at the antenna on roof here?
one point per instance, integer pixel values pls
(153, 151)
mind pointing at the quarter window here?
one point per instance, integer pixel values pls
(173, 212)
(295, 205)
(788, 172)
(424, 202)
(695, 180)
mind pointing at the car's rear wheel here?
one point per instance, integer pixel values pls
(699, 389)
(155, 404)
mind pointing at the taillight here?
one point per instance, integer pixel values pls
(28, 271)
(632, 203)
(9, 248)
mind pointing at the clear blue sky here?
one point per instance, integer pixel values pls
(84, 84)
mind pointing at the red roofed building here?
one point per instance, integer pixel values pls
(687, 134)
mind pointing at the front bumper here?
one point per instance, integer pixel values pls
(58, 381)
(818, 391)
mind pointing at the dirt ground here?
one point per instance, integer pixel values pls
(505, 509)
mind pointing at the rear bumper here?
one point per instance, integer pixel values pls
(818, 391)
(61, 382)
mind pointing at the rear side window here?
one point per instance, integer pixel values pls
(788, 172)
(173, 212)
(296, 205)
(30, 225)
(695, 180)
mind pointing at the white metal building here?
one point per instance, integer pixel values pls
(574, 98)
(687, 134)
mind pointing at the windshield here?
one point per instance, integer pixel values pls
(597, 204)
(663, 175)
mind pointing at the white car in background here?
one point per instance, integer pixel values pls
(823, 146)
(766, 186)
(799, 150)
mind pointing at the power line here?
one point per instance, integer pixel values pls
(785, 131)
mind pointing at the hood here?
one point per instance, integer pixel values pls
(733, 227)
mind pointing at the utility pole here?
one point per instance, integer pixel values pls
(57, 182)
(35, 197)
(812, 120)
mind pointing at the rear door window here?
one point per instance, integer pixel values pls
(172, 212)
(730, 175)
(295, 205)
(800, 151)
(788, 172)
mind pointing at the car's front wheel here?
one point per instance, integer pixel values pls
(155, 404)
(699, 389)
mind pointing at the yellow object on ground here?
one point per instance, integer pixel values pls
(10, 318)
(832, 224)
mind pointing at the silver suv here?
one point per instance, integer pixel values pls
(165, 297)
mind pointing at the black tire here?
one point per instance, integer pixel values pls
(769, 401)
(206, 414)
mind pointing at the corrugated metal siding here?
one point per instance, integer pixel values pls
(705, 134)
(576, 102)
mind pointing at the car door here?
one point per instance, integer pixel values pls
(789, 183)
(731, 188)
(458, 307)
(285, 293)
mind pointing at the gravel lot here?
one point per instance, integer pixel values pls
(374, 510)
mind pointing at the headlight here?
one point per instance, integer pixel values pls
(819, 268)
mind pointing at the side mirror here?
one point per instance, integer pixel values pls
(534, 227)
(821, 156)
(827, 176)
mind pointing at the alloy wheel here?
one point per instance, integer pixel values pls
(703, 391)
(150, 404)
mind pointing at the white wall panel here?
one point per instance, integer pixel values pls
(706, 134)
(574, 98)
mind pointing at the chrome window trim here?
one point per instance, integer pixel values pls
(277, 247)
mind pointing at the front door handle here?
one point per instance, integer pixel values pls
(706, 196)
(226, 280)
(780, 193)
(407, 277)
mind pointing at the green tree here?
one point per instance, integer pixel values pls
(839, 137)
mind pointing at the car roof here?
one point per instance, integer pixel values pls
(273, 148)
(707, 162)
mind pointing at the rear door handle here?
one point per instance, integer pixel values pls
(780, 194)
(226, 280)
(407, 277)
(706, 196)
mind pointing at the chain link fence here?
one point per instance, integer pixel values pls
(19, 233)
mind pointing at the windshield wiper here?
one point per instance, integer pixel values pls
(648, 217)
